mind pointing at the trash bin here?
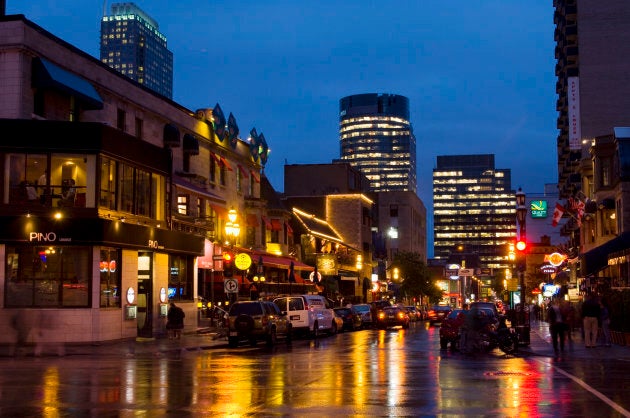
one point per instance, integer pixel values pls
(523, 334)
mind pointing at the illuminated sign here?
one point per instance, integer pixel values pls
(555, 259)
(538, 208)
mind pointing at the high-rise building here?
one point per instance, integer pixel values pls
(474, 209)
(593, 63)
(132, 44)
(376, 137)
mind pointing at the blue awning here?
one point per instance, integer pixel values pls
(597, 258)
(50, 76)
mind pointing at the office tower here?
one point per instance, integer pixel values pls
(473, 209)
(132, 44)
(376, 137)
(593, 63)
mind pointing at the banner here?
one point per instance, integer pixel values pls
(575, 130)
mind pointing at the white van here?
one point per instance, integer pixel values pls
(309, 314)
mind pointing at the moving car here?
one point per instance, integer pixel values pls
(254, 321)
(391, 316)
(438, 313)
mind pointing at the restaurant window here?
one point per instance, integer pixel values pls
(180, 284)
(140, 192)
(48, 276)
(182, 204)
(109, 267)
(107, 194)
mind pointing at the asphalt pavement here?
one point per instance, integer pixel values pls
(205, 338)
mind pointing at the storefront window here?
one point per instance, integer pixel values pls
(47, 276)
(110, 278)
(180, 284)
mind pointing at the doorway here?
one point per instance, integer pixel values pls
(145, 294)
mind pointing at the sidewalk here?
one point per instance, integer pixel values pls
(540, 345)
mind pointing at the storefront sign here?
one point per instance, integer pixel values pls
(538, 208)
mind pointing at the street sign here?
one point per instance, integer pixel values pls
(230, 285)
(466, 272)
(242, 261)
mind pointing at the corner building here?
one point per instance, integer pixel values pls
(473, 208)
(377, 138)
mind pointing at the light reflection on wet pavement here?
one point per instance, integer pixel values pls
(365, 373)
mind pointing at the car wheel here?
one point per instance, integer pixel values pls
(272, 338)
(233, 342)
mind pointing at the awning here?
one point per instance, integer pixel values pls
(185, 185)
(289, 229)
(255, 176)
(597, 258)
(49, 76)
(281, 262)
(171, 136)
(267, 222)
(243, 171)
(226, 164)
(216, 157)
(276, 225)
(252, 220)
(191, 145)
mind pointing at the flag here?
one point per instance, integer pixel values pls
(232, 131)
(557, 214)
(254, 144)
(218, 121)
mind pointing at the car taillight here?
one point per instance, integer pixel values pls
(264, 320)
(401, 315)
(381, 314)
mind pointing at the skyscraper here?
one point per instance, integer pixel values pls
(473, 209)
(132, 44)
(376, 137)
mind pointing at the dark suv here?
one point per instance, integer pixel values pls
(254, 321)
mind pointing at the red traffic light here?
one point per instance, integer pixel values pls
(521, 245)
(227, 257)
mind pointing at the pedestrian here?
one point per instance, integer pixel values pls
(557, 326)
(175, 321)
(605, 321)
(590, 316)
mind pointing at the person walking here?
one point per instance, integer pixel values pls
(605, 321)
(557, 326)
(175, 321)
(591, 312)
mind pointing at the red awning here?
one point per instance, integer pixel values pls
(216, 157)
(289, 229)
(276, 225)
(282, 262)
(243, 171)
(255, 176)
(226, 164)
(252, 220)
(266, 221)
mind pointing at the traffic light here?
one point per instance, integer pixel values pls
(521, 250)
(228, 267)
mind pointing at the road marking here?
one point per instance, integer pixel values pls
(591, 389)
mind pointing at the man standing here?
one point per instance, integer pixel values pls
(590, 314)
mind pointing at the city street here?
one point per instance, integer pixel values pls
(364, 373)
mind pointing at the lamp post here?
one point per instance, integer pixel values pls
(521, 217)
(232, 230)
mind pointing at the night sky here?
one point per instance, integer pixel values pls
(479, 75)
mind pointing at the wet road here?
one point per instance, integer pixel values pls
(365, 373)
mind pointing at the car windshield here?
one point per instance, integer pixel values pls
(454, 313)
(246, 309)
(362, 308)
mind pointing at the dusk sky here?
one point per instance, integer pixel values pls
(479, 75)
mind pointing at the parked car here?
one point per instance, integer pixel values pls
(391, 316)
(438, 313)
(450, 327)
(309, 314)
(363, 310)
(376, 306)
(253, 321)
(351, 320)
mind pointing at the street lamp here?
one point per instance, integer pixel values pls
(521, 217)
(232, 228)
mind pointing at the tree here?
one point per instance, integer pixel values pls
(416, 277)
